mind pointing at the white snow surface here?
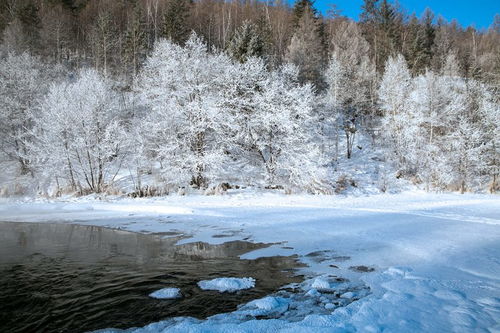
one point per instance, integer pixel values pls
(166, 293)
(227, 284)
(436, 255)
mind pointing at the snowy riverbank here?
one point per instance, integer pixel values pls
(436, 256)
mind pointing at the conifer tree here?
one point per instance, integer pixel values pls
(246, 43)
(389, 25)
(31, 24)
(300, 8)
(175, 25)
(381, 25)
(306, 50)
(428, 36)
(368, 11)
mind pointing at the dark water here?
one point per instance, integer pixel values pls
(73, 278)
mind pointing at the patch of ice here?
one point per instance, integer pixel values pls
(349, 294)
(268, 303)
(329, 306)
(313, 293)
(227, 284)
(320, 283)
(166, 293)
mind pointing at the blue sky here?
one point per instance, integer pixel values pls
(478, 12)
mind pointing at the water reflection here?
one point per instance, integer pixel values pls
(73, 278)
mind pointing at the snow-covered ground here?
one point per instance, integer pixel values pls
(431, 261)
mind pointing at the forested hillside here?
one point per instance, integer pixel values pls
(150, 97)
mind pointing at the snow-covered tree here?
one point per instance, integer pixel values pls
(280, 132)
(488, 125)
(348, 93)
(440, 132)
(22, 83)
(394, 91)
(238, 100)
(429, 104)
(337, 76)
(352, 50)
(184, 126)
(336, 95)
(350, 78)
(450, 66)
(463, 155)
(78, 133)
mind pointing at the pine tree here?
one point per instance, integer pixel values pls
(306, 50)
(381, 25)
(368, 11)
(264, 30)
(389, 24)
(175, 21)
(350, 78)
(443, 45)
(429, 35)
(300, 8)
(30, 22)
(246, 43)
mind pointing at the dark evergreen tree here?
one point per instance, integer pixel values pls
(306, 51)
(246, 43)
(31, 25)
(369, 11)
(265, 33)
(4, 17)
(429, 34)
(381, 24)
(410, 50)
(300, 7)
(389, 26)
(175, 21)
(306, 7)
